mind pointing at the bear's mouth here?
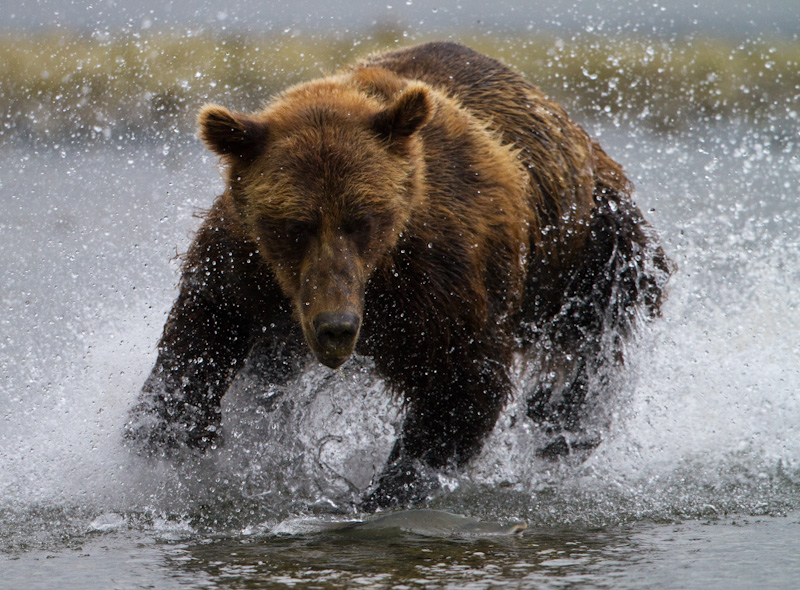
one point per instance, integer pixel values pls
(333, 363)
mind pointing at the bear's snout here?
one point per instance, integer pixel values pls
(336, 334)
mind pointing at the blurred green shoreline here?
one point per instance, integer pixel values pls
(73, 88)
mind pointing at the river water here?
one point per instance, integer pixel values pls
(697, 484)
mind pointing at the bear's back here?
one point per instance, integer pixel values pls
(563, 163)
(481, 84)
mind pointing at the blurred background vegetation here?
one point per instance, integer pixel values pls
(57, 87)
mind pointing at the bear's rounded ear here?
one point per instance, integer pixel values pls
(234, 135)
(409, 112)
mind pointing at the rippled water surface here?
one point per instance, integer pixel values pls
(734, 553)
(697, 485)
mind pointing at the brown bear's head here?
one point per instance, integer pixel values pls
(324, 181)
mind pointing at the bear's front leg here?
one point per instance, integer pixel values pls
(444, 428)
(226, 295)
(179, 405)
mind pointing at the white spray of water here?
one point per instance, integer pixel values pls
(708, 423)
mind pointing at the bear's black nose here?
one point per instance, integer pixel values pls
(336, 333)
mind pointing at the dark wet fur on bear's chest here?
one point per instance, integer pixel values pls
(428, 208)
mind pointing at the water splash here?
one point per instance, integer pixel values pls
(707, 424)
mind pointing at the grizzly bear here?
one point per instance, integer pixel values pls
(429, 208)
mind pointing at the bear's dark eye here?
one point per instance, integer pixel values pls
(361, 230)
(298, 232)
(357, 225)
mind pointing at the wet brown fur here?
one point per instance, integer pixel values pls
(447, 203)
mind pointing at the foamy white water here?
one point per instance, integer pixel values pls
(709, 423)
